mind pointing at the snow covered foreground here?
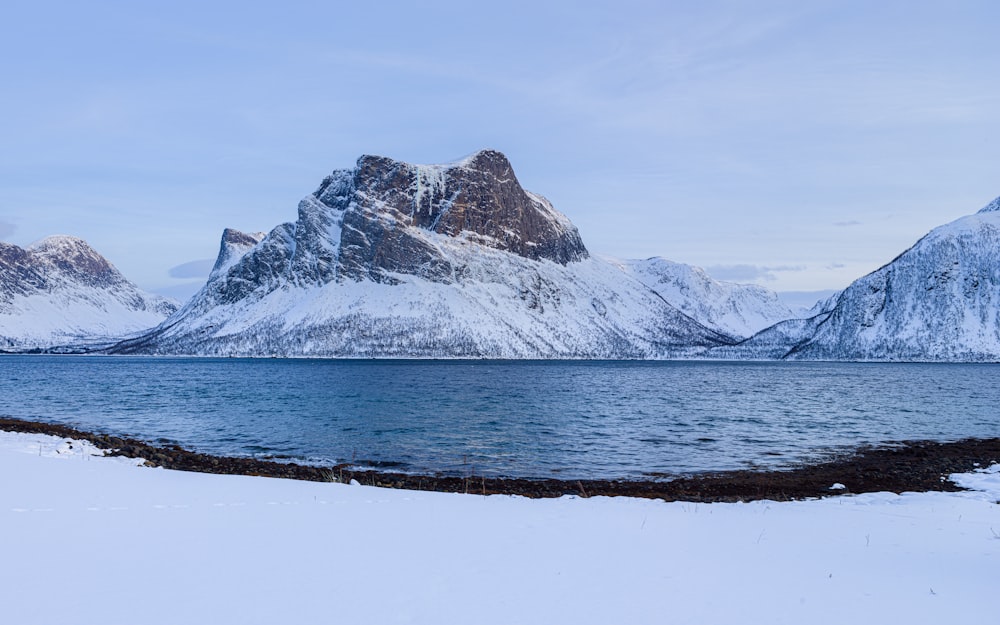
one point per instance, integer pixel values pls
(87, 539)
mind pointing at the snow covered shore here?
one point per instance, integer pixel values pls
(89, 539)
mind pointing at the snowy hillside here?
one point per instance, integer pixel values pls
(60, 291)
(391, 259)
(739, 310)
(937, 301)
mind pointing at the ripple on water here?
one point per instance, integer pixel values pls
(537, 419)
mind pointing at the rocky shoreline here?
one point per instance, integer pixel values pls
(903, 466)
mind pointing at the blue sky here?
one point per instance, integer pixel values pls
(795, 144)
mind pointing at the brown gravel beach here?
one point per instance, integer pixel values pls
(899, 467)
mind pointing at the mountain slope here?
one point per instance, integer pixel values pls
(457, 260)
(937, 301)
(60, 291)
(739, 310)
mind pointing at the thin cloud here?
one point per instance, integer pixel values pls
(847, 224)
(193, 269)
(832, 266)
(747, 273)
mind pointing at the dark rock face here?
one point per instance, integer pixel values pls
(478, 199)
(234, 237)
(18, 273)
(261, 270)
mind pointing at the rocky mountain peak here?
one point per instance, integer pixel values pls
(11, 254)
(388, 205)
(490, 162)
(233, 245)
(384, 219)
(73, 256)
(231, 236)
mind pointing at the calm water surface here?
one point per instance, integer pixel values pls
(533, 419)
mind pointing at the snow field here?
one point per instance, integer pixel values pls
(71, 314)
(90, 539)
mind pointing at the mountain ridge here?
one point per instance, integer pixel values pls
(454, 260)
(390, 259)
(59, 290)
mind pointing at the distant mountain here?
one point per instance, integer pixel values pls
(805, 304)
(937, 301)
(738, 310)
(60, 291)
(392, 259)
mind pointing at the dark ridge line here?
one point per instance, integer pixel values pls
(899, 467)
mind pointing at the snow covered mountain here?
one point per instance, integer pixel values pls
(739, 310)
(937, 301)
(60, 291)
(392, 259)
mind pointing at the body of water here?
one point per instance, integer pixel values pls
(562, 419)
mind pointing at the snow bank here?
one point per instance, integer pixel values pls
(90, 539)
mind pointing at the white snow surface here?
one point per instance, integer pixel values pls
(501, 306)
(73, 314)
(506, 306)
(90, 539)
